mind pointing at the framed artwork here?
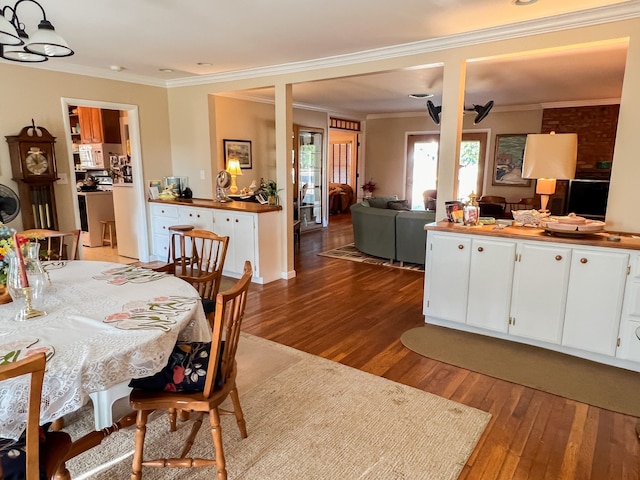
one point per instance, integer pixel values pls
(507, 161)
(240, 149)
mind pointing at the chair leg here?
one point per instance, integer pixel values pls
(173, 413)
(237, 410)
(141, 430)
(216, 433)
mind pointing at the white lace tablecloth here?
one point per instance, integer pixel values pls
(105, 324)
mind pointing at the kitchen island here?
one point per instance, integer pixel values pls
(253, 231)
(579, 295)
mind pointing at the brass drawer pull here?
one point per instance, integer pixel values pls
(558, 257)
(583, 260)
(460, 247)
(480, 249)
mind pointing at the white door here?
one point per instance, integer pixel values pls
(594, 300)
(539, 292)
(490, 283)
(448, 261)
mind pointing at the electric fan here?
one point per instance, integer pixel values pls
(9, 204)
(223, 180)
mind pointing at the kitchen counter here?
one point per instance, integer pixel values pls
(627, 241)
(248, 207)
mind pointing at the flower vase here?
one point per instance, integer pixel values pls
(30, 297)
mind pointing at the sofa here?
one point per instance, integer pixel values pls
(384, 227)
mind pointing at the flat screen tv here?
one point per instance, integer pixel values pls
(588, 198)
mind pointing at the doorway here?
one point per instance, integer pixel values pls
(342, 170)
(135, 196)
(422, 166)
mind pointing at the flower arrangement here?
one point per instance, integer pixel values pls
(370, 186)
(6, 244)
(271, 188)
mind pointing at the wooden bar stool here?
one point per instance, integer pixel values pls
(109, 227)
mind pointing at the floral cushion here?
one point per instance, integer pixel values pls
(185, 371)
(13, 456)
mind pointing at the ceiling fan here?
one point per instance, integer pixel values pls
(481, 110)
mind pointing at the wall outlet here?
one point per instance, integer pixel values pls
(62, 179)
(201, 174)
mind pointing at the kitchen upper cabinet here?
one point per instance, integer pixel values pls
(490, 281)
(539, 292)
(594, 300)
(99, 125)
(446, 285)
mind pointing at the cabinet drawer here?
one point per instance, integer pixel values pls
(200, 218)
(630, 341)
(161, 246)
(169, 211)
(160, 225)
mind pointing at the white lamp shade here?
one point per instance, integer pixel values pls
(550, 155)
(19, 54)
(8, 33)
(45, 41)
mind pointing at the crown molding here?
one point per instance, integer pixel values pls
(594, 16)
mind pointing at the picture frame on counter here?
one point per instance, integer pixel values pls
(154, 192)
(239, 149)
(262, 198)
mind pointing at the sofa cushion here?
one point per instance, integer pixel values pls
(381, 202)
(398, 205)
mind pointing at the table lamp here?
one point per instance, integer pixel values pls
(233, 167)
(548, 157)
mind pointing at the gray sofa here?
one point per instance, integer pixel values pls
(398, 235)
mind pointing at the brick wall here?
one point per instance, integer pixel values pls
(596, 128)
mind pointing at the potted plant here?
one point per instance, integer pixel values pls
(368, 188)
(271, 190)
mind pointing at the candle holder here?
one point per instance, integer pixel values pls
(28, 311)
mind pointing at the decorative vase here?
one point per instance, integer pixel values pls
(30, 297)
(272, 200)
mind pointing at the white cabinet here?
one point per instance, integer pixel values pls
(162, 217)
(490, 280)
(594, 300)
(240, 228)
(446, 286)
(578, 299)
(539, 291)
(253, 236)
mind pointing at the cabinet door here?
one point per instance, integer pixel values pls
(199, 218)
(239, 227)
(447, 276)
(90, 125)
(539, 292)
(594, 300)
(490, 284)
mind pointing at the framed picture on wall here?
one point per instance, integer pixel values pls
(240, 149)
(507, 161)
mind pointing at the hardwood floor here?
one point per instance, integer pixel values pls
(355, 313)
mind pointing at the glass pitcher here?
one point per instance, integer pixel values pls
(37, 278)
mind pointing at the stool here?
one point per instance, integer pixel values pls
(109, 226)
(177, 231)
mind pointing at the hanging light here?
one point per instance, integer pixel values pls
(17, 46)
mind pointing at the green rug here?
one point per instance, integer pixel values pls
(350, 252)
(571, 377)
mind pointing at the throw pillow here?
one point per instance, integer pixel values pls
(185, 371)
(381, 202)
(398, 205)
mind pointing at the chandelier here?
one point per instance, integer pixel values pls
(17, 46)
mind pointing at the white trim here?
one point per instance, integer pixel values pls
(136, 157)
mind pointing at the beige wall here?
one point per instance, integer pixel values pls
(28, 93)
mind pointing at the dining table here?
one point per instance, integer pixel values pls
(104, 323)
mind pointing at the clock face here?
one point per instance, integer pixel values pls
(36, 161)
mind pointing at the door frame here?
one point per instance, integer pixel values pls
(136, 160)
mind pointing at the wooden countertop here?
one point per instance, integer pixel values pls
(627, 241)
(249, 207)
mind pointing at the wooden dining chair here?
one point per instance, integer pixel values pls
(29, 457)
(198, 258)
(57, 245)
(219, 383)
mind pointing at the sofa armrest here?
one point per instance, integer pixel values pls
(374, 230)
(411, 237)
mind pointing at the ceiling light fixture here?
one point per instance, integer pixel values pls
(523, 3)
(165, 70)
(17, 46)
(420, 95)
(116, 68)
(204, 64)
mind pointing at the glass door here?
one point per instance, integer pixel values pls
(309, 161)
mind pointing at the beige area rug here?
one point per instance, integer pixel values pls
(308, 418)
(571, 377)
(350, 252)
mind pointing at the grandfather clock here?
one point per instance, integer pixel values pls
(33, 163)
